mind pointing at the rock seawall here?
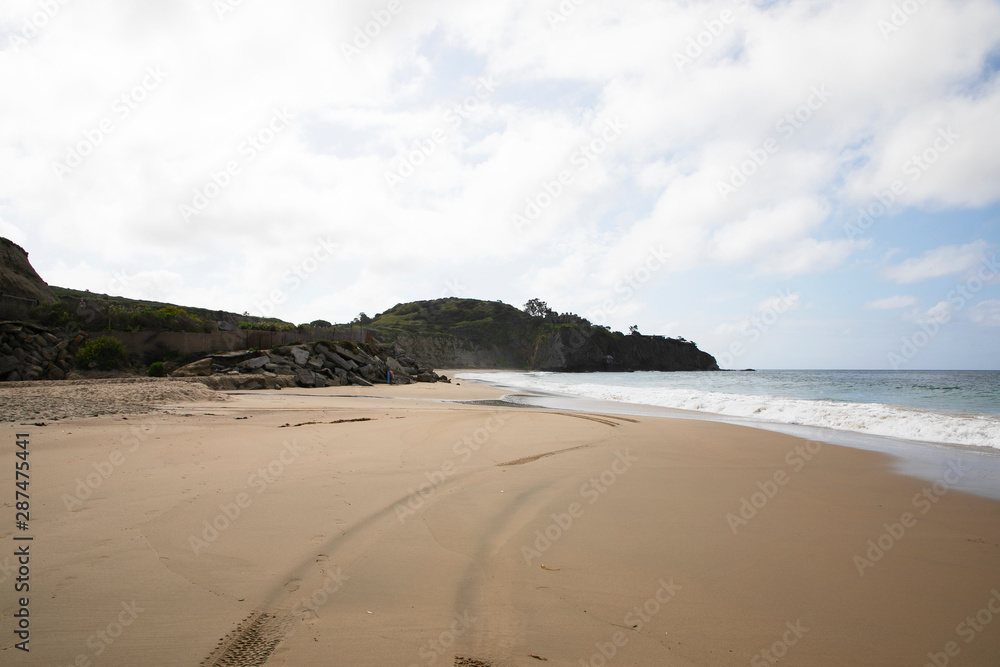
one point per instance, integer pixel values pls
(319, 364)
(29, 352)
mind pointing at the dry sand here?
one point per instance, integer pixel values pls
(401, 530)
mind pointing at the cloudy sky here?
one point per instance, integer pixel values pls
(793, 184)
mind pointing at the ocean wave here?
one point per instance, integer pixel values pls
(870, 418)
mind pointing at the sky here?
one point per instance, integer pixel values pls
(790, 184)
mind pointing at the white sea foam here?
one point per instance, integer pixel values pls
(868, 418)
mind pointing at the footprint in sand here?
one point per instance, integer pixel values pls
(322, 558)
(66, 583)
(293, 585)
(318, 539)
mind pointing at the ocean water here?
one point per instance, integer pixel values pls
(940, 407)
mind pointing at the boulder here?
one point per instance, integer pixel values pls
(347, 354)
(255, 363)
(7, 364)
(305, 378)
(300, 353)
(361, 382)
(201, 367)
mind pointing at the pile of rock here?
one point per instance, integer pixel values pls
(29, 352)
(320, 364)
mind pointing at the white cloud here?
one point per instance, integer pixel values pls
(781, 302)
(811, 256)
(986, 313)
(891, 303)
(655, 185)
(943, 261)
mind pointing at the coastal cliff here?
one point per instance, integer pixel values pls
(581, 349)
(469, 333)
(18, 278)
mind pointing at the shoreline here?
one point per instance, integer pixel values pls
(424, 523)
(913, 458)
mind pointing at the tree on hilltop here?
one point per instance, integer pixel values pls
(538, 308)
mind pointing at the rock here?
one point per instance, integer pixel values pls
(201, 367)
(340, 362)
(226, 326)
(54, 373)
(347, 354)
(231, 359)
(13, 376)
(315, 362)
(300, 354)
(427, 377)
(7, 364)
(255, 363)
(394, 366)
(361, 382)
(305, 378)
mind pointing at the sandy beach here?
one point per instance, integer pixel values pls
(430, 524)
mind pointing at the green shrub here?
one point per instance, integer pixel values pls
(105, 352)
(53, 314)
(156, 370)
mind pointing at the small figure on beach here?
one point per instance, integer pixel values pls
(388, 377)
